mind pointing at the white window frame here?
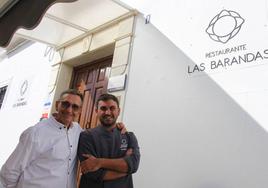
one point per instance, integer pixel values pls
(4, 84)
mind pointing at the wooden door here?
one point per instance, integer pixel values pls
(92, 81)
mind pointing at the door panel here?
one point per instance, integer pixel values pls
(92, 81)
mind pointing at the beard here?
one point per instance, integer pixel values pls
(108, 120)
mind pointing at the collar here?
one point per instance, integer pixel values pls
(60, 125)
(105, 129)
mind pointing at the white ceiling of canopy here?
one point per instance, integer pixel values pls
(65, 22)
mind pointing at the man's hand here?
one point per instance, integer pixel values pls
(129, 151)
(122, 127)
(91, 164)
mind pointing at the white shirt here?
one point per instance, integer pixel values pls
(44, 158)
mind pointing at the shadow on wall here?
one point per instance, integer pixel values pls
(191, 132)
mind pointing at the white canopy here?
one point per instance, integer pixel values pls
(64, 23)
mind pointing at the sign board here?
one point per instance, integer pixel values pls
(117, 83)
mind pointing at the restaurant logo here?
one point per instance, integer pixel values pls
(24, 87)
(124, 145)
(22, 94)
(224, 26)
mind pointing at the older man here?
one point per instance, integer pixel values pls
(46, 154)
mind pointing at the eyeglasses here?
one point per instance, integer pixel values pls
(66, 105)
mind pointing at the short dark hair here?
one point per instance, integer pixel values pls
(72, 92)
(106, 97)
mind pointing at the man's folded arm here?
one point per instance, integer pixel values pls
(85, 147)
(133, 159)
(104, 168)
(112, 175)
(128, 164)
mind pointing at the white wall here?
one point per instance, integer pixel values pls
(29, 64)
(203, 131)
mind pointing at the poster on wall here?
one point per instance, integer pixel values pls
(46, 107)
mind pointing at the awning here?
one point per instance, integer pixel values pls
(21, 14)
(62, 23)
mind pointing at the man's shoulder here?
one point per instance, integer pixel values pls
(95, 132)
(39, 125)
(29, 134)
(132, 138)
(130, 133)
(43, 122)
(77, 126)
(43, 127)
(89, 135)
(89, 132)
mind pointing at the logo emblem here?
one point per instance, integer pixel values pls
(224, 26)
(124, 144)
(24, 88)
